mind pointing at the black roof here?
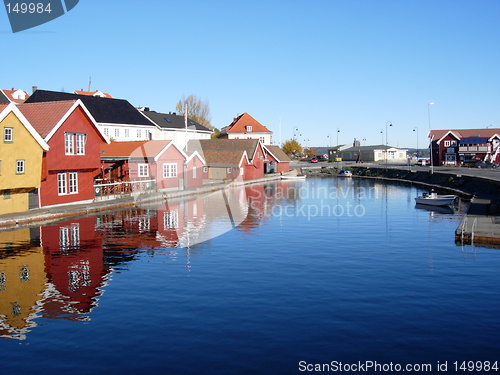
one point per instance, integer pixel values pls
(104, 110)
(173, 121)
(4, 99)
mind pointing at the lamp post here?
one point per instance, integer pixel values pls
(329, 136)
(430, 137)
(338, 131)
(387, 124)
(416, 129)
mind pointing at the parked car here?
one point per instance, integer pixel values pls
(486, 164)
(423, 161)
(323, 157)
(314, 159)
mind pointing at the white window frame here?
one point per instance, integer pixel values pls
(169, 170)
(117, 132)
(62, 188)
(127, 132)
(8, 134)
(229, 170)
(106, 132)
(143, 170)
(80, 143)
(20, 165)
(139, 133)
(194, 171)
(249, 128)
(73, 183)
(69, 144)
(446, 143)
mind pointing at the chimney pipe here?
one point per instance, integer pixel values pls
(33, 89)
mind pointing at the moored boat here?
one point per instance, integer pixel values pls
(345, 173)
(434, 199)
(288, 177)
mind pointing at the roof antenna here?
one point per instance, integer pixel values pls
(90, 84)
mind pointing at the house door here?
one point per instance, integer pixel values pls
(33, 199)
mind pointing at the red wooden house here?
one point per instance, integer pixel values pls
(278, 160)
(72, 162)
(461, 146)
(160, 161)
(232, 158)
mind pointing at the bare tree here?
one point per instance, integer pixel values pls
(197, 110)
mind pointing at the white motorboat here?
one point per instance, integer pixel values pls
(434, 199)
(345, 173)
(289, 177)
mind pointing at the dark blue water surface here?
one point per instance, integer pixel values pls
(269, 279)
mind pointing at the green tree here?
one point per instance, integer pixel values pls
(197, 110)
(292, 147)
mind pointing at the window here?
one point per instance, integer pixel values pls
(127, 133)
(19, 166)
(249, 128)
(106, 132)
(262, 139)
(194, 171)
(229, 170)
(169, 170)
(67, 183)
(72, 139)
(143, 170)
(8, 134)
(61, 184)
(446, 143)
(6, 194)
(454, 143)
(205, 169)
(80, 144)
(139, 133)
(117, 132)
(73, 183)
(68, 144)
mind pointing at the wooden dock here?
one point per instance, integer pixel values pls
(481, 224)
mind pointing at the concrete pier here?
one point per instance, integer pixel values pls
(481, 225)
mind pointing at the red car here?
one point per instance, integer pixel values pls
(314, 159)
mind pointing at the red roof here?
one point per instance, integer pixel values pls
(10, 95)
(465, 133)
(94, 93)
(149, 149)
(241, 125)
(45, 116)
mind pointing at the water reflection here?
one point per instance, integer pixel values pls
(60, 271)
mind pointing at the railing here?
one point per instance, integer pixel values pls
(123, 188)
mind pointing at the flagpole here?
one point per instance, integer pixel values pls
(186, 124)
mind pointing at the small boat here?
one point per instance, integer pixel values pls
(287, 177)
(434, 199)
(345, 173)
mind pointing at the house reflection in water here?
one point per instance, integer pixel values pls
(60, 271)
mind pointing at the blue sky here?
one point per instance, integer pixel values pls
(311, 65)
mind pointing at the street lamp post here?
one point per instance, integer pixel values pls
(430, 137)
(387, 124)
(416, 128)
(329, 136)
(338, 131)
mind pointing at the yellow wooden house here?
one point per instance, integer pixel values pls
(21, 155)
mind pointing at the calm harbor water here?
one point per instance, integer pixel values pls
(273, 278)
